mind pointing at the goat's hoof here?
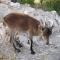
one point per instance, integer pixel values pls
(28, 42)
(33, 52)
(47, 43)
(20, 45)
(18, 50)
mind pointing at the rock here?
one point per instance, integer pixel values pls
(5, 1)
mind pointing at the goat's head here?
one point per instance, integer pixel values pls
(45, 33)
(47, 30)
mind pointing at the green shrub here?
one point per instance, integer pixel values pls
(26, 1)
(57, 5)
(51, 5)
(44, 4)
(48, 5)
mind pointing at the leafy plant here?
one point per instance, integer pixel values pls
(26, 1)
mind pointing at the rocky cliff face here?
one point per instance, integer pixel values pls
(5, 1)
(43, 52)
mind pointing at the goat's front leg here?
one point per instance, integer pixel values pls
(31, 44)
(31, 47)
(47, 40)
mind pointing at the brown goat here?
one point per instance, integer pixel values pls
(17, 22)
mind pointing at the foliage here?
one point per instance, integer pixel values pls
(44, 4)
(57, 5)
(26, 1)
(51, 5)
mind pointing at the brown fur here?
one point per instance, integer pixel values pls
(22, 22)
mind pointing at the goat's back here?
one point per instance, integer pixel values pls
(21, 21)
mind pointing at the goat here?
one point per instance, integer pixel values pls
(18, 22)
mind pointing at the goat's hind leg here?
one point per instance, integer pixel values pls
(16, 49)
(18, 42)
(14, 43)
